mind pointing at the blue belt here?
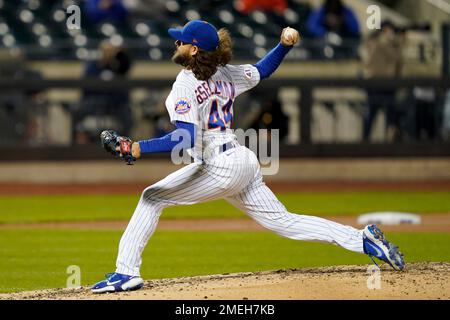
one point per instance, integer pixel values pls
(226, 146)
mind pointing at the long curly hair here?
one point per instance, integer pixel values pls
(204, 64)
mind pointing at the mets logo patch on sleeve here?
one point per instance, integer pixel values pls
(182, 106)
(248, 72)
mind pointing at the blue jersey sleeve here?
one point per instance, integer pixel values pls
(271, 61)
(169, 141)
(352, 22)
(315, 23)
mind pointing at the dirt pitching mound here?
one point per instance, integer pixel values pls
(419, 281)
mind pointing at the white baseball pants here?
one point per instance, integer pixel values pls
(234, 175)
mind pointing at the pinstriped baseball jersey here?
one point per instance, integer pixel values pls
(195, 101)
(209, 104)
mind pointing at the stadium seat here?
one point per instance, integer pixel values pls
(40, 28)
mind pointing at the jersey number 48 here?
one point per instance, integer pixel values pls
(216, 120)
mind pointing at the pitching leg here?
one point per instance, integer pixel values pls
(224, 176)
(259, 202)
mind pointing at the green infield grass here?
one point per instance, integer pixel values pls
(23, 209)
(36, 258)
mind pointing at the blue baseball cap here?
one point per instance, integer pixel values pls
(198, 33)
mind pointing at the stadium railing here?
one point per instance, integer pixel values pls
(306, 147)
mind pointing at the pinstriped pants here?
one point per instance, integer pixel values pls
(234, 175)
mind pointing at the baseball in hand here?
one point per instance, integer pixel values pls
(289, 36)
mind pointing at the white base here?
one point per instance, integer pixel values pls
(389, 218)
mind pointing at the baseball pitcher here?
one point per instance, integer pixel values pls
(200, 106)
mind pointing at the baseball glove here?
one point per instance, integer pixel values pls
(117, 145)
